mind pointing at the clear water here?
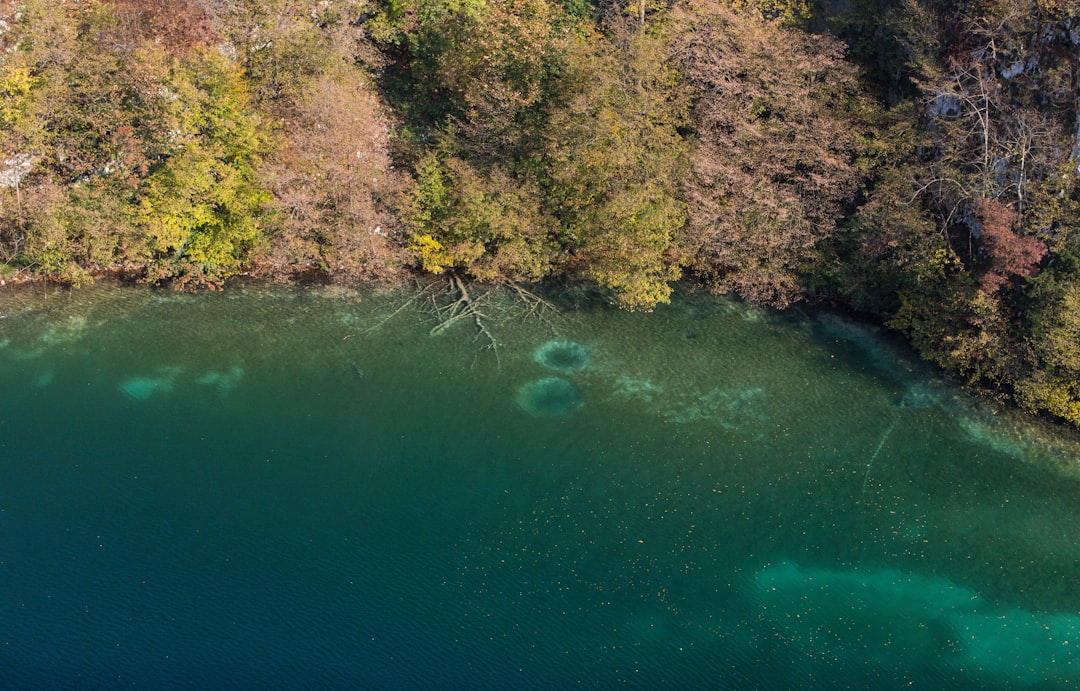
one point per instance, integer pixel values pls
(306, 488)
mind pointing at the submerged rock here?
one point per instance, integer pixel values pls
(563, 356)
(549, 396)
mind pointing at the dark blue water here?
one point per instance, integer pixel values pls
(282, 488)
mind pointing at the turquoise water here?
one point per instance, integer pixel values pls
(320, 488)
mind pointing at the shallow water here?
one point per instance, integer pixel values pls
(282, 488)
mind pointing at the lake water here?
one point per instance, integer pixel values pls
(309, 488)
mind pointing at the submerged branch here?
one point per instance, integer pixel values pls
(535, 306)
(419, 294)
(465, 307)
(452, 302)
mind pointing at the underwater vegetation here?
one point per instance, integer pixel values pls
(982, 430)
(920, 395)
(1021, 440)
(142, 388)
(562, 356)
(554, 395)
(549, 396)
(643, 389)
(928, 620)
(224, 381)
(730, 408)
(58, 334)
(165, 378)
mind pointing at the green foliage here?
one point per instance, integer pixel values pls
(628, 249)
(870, 29)
(556, 133)
(889, 247)
(793, 13)
(48, 250)
(484, 223)
(496, 69)
(485, 67)
(1056, 332)
(1052, 378)
(202, 204)
(283, 44)
(616, 160)
(432, 200)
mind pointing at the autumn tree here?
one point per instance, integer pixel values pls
(471, 82)
(1007, 254)
(496, 69)
(283, 45)
(334, 186)
(178, 25)
(201, 206)
(776, 161)
(1052, 380)
(82, 103)
(790, 13)
(991, 190)
(479, 221)
(142, 157)
(616, 159)
(998, 86)
(487, 68)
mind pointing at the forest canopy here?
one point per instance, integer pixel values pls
(916, 160)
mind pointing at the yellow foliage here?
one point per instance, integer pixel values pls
(17, 82)
(943, 260)
(15, 86)
(1058, 397)
(638, 286)
(788, 12)
(642, 295)
(431, 253)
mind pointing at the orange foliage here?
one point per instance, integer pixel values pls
(1009, 254)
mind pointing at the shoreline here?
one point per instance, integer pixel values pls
(989, 399)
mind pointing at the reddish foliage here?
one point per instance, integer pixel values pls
(774, 164)
(179, 25)
(1009, 254)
